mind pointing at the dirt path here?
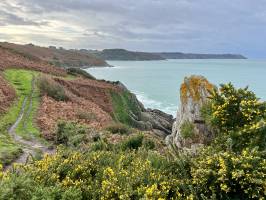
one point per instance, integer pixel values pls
(30, 148)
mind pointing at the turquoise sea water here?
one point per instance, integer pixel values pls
(156, 83)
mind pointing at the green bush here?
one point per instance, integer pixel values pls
(235, 108)
(187, 129)
(148, 143)
(229, 175)
(51, 88)
(78, 71)
(92, 175)
(118, 128)
(70, 134)
(239, 116)
(133, 142)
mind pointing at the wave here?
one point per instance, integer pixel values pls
(154, 104)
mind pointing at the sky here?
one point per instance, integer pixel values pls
(197, 26)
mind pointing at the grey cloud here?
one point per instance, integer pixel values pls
(12, 19)
(174, 25)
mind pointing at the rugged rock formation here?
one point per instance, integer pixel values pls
(189, 129)
(147, 119)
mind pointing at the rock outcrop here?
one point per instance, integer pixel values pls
(189, 129)
(148, 119)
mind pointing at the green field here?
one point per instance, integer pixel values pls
(21, 80)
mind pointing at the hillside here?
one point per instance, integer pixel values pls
(122, 54)
(36, 96)
(55, 56)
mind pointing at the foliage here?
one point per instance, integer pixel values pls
(125, 105)
(95, 175)
(118, 128)
(235, 108)
(133, 142)
(78, 71)
(70, 134)
(239, 115)
(229, 175)
(187, 129)
(51, 88)
(233, 166)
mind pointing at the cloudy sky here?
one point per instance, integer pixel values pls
(200, 26)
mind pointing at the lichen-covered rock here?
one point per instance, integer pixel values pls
(189, 130)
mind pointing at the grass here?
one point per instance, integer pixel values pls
(21, 80)
(124, 104)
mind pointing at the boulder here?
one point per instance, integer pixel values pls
(189, 129)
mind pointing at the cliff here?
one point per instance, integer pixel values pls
(189, 129)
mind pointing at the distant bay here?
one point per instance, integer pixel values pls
(156, 83)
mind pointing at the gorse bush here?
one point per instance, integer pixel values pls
(70, 134)
(95, 175)
(239, 115)
(235, 108)
(51, 88)
(229, 175)
(233, 166)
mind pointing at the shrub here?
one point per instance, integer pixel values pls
(49, 87)
(118, 128)
(235, 108)
(78, 71)
(92, 175)
(239, 116)
(70, 134)
(133, 142)
(148, 143)
(228, 175)
(187, 129)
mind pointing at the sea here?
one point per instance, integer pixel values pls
(157, 83)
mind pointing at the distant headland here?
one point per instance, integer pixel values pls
(123, 54)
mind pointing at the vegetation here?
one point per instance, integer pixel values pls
(233, 166)
(81, 72)
(22, 81)
(118, 128)
(125, 105)
(187, 129)
(49, 87)
(70, 134)
(86, 115)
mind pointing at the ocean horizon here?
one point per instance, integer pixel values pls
(157, 83)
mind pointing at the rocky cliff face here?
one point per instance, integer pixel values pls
(153, 120)
(189, 129)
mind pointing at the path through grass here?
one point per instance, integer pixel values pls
(22, 82)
